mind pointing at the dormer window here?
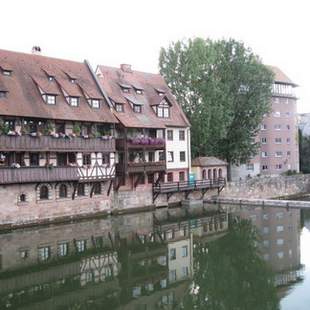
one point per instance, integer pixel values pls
(73, 81)
(160, 92)
(125, 87)
(163, 109)
(137, 108)
(49, 99)
(139, 92)
(74, 101)
(119, 107)
(125, 90)
(95, 103)
(51, 78)
(7, 72)
(3, 94)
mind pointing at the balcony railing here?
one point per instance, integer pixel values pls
(55, 174)
(38, 174)
(152, 166)
(49, 143)
(140, 143)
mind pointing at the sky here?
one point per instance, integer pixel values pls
(133, 31)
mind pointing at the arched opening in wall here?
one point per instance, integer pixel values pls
(97, 189)
(220, 173)
(204, 174)
(63, 191)
(214, 174)
(43, 192)
(81, 189)
(22, 198)
(209, 174)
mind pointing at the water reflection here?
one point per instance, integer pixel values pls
(220, 259)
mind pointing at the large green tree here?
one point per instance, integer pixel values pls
(225, 91)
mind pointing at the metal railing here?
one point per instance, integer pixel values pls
(172, 187)
(50, 143)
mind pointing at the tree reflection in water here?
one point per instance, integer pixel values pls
(229, 273)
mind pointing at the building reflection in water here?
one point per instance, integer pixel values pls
(140, 261)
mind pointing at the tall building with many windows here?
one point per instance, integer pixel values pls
(278, 134)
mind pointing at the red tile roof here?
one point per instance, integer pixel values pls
(24, 98)
(208, 161)
(111, 80)
(280, 76)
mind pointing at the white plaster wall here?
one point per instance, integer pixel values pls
(241, 171)
(176, 146)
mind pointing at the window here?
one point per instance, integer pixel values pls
(182, 176)
(170, 177)
(95, 103)
(86, 160)
(170, 157)
(63, 191)
(51, 78)
(264, 154)
(184, 251)
(22, 198)
(34, 159)
(264, 140)
(60, 128)
(250, 167)
(151, 156)
(280, 255)
(172, 254)
(137, 108)
(279, 215)
(280, 241)
(288, 153)
(266, 243)
(24, 254)
(278, 166)
(139, 91)
(74, 101)
(150, 178)
(182, 156)
(266, 230)
(97, 189)
(163, 109)
(265, 216)
(288, 127)
(288, 140)
(43, 192)
(184, 271)
(172, 275)
(51, 99)
(80, 246)
(181, 135)
(106, 159)
(7, 72)
(266, 256)
(63, 249)
(161, 156)
(278, 140)
(279, 153)
(119, 107)
(44, 253)
(3, 94)
(125, 90)
(263, 127)
(280, 228)
(81, 189)
(170, 135)
(277, 126)
(277, 114)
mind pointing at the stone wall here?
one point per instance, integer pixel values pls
(268, 187)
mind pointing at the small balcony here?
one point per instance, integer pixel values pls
(141, 143)
(60, 144)
(38, 174)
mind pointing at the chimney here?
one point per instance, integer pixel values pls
(36, 50)
(126, 68)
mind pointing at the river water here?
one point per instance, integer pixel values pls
(226, 258)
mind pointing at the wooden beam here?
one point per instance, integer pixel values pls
(110, 187)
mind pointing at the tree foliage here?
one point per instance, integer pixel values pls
(231, 275)
(224, 90)
(304, 151)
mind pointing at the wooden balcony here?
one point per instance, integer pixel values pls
(55, 174)
(141, 167)
(49, 143)
(187, 187)
(146, 143)
(38, 174)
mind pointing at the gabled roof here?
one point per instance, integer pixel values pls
(111, 78)
(280, 76)
(208, 161)
(30, 73)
